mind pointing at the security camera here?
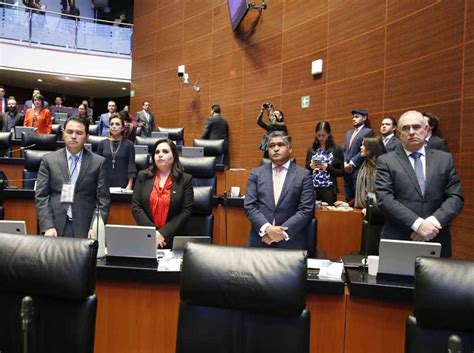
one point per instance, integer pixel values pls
(181, 70)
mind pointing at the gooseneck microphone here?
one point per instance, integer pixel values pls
(27, 312)
(10, 153)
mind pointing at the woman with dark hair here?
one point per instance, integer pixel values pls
(163, 195)
(276, 123)
(39, 117)
(119, 155)
(325, 161)
(370, 149)
(130, 127)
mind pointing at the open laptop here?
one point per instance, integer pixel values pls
(13, 227)
(179, 243)
(130, 243)
(397, 257)
(141, 149)
(60, 116)
(192, 151)
(20, 129)
(159, 134)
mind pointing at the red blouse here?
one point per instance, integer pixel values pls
(160, 200)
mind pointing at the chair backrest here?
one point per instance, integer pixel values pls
(214, 148)
(95, 140)
(175, 134)
(242, 300)
(93, 129)
(32, 163)
(58, 131)
(443, 305)
(147, 141)
(42, 142)
(142, 161)
(201, 222)
(202, 169)
(5, 139)
(59, 275)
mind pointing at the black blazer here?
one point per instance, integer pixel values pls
(181, 204)
(337, 167)
(437, 143)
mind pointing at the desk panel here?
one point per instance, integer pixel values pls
(13, 169)
(22, 210)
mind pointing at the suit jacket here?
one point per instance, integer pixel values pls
(437, 143)
(294, 210)
(5, 105)
(103, 129)
(353, 153)
(29, 104)
(44, 122)
(17, 121)
(392, 144)
(400, 198)
(181, 204)
(150, 125)
(91, 184)
(216, 128)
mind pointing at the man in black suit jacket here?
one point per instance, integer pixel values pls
(3, 101)
(417, 188)
(432, 139)
(216, 127)
(12, 117)
(145, 120)
(388, 129)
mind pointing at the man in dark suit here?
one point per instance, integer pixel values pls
(352, 158)
(12, 117)
(3, 101)
(217, 128)
(70, 182)
(29, 103)
(145, 120)
(432, 139)
(104, 119)
(417, 188)
(58, 106)
(280, 199)
(388, 129)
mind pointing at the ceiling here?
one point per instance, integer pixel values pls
(73, 86)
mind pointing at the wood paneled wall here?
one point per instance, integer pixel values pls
(387, 56)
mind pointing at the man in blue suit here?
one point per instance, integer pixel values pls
(279, 199)
(104, 119)
(352, 158)
(388, 129)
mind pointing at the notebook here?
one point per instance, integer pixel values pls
(13, 227)
(20, 129)
(179, 243)
(130, 242)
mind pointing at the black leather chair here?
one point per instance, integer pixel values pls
(5, 140)
(142, 161)
(95, 140)
(371, 230)
(202, 169)
(213, 148)
(147, 141)
(93, 129)
(59, 275)
(58, 131)
(41, 142)
(201, 222)
(443, 306)
(175, 134)
(242, 300)
(32, 164)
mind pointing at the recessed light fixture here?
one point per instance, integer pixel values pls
(124, 88)
(66, 77)
(40, 80)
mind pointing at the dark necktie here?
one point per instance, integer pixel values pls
(419, 170)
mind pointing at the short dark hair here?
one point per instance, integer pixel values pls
(117, 116)
(392, 119)
(78, 120)
(176, 168)
(216, 108)
(281, 134)
(323, 125)
(40, 98)
(433, 121)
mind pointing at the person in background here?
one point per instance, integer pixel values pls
(104, 119)
(163, 195)
(432, 139)
(39, 117)
(82, 113)
(3, 101)
(58, 106)
(325, 160)
(145, 120)
(29, 103)
(370, 150)
(388, 130)
(130, 128)
(12, 117)
(276, 123)
(119, 155)
(217, 128)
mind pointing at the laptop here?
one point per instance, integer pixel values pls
(130, 242)
(179, 243)
(397, 257)
(13, 227)
(159, 134)
(60, 116)
(25, 129)
(192, 151)
(141, 149)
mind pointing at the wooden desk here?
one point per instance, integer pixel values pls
(13, 169)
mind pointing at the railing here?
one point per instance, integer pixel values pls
(60, 30)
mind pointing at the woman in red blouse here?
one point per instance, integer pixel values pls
(163, 194)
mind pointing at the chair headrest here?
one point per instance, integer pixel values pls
(33, 159)
(174, 133)
(147, 141)
(263, 280)
(141, 161)
(57, 267)
(45, 142)
(199, 167)
(444, 293)
(202, 200)
(5, 138)
(211, 147)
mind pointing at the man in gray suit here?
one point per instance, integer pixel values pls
(70, 182)
(146, 120)
(280, 199)
(417, 188)
(432, 139)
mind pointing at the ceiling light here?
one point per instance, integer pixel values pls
(40, 80)
(124, 88)
(66, 77)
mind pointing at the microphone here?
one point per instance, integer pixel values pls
(26, 312)
(454, 344)
(20, 148)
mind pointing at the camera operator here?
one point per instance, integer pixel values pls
(276, 123)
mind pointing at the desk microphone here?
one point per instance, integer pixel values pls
(27, 312)
(10, 153)
(454, 344)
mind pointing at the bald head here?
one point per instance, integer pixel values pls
(413, 130)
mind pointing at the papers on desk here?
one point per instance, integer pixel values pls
(166, 261)
(333, 271)
(119, 190)
(341, 208)
(318, 263)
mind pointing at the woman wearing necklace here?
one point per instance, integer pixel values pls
(163, 194)
(119, 155)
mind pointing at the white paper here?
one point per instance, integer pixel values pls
(333, 271)
(318, 263)
(170, 264)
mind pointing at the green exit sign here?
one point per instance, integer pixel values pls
(305, 102)
(132, 93)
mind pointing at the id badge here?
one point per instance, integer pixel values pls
(67, 193)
